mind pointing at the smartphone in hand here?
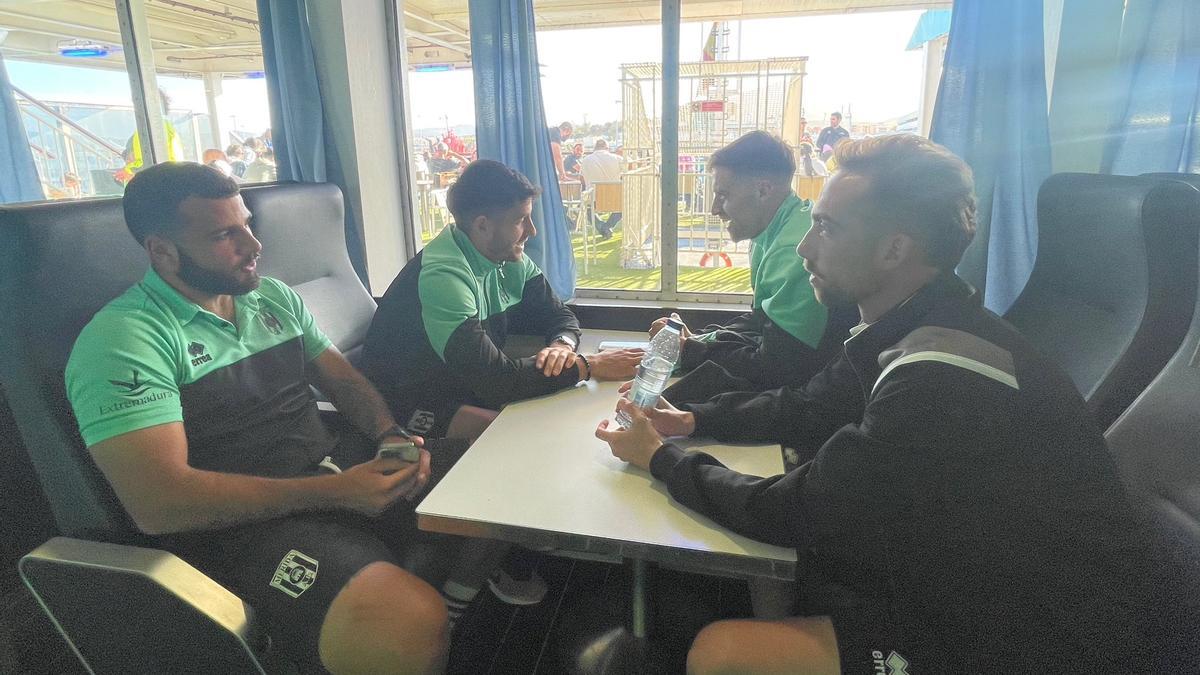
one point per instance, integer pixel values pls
(405, 451)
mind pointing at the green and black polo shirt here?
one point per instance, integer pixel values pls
(783, 340)
(151, 357)
(436, 340)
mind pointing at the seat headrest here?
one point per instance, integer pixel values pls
(1114, 284)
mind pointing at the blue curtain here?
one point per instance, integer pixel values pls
(510, 124)
(991, 111)
(303, 146)
(1159, 125)
(18, 174)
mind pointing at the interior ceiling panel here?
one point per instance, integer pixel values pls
(199, 36)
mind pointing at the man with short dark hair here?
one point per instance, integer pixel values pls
(192, 393)
(962, 513)
(828, 139)
(434, 347)
(784, 338)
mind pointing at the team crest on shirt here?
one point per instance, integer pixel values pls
(421, 421)
(271, 322)
(296, 572)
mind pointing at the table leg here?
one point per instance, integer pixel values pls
(641, 579)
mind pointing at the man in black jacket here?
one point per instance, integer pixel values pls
(434, 349)
(961, 512)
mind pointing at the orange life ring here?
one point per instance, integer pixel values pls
(723, 256)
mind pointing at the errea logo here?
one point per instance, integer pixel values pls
(196, 351)
(894, 664)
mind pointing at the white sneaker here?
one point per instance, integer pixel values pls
(521, 592)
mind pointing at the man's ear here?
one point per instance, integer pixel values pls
(763, 187)
(162, 251)
(481, 224)
(896, 249)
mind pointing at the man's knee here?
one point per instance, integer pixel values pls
(713, 651)
(385, 620)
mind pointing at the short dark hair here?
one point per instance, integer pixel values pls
(757, 155)
(922, 187)
(485, 188)
(836, 114)
(152, 198)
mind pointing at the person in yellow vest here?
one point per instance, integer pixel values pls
(133, 149)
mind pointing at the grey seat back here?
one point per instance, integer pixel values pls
(1156, 443)
(1114, 285)
(61, 262)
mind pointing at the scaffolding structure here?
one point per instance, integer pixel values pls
(719, 101)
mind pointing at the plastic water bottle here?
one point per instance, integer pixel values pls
(657, 365)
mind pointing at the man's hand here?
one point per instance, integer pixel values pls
(371, 487)
(658, 324)
(635, 445)
(555, 358)
(615, 364)
(666, 418)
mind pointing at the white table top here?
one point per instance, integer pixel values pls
(540, 477)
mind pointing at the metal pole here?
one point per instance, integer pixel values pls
(670, 149)
(641, 577)
(213, 89)
(143, 82)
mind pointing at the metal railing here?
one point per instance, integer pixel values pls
(71, 161)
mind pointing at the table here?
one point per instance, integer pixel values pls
(539, 477)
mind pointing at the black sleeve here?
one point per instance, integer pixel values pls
(774, 359)
(745, 330)
(493, 377)
(796, 418)
(766, 509)
(927, 421)
(540, 312)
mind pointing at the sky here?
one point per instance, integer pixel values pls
(856, 62)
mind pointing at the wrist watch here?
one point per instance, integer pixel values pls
(568, 340)
(394, 430)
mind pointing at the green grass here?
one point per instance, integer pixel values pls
(604, 271)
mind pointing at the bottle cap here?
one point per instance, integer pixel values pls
(676, 324)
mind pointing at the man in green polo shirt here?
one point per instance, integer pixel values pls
(192, 393)
(787, 336)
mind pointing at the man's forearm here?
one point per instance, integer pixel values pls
(357, 400)
(202, 500)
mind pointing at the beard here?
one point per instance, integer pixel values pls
(214, 283)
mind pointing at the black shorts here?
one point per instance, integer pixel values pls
(290, 569)
(427, 418)
(875, 641)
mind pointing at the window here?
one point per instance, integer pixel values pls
(209, 69)
(66, 62)
(72, 95)
(783, 74)
(441, 94)
(606, 83)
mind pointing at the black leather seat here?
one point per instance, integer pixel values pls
(1114, 285)
(126, 608)
(1156, 443)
